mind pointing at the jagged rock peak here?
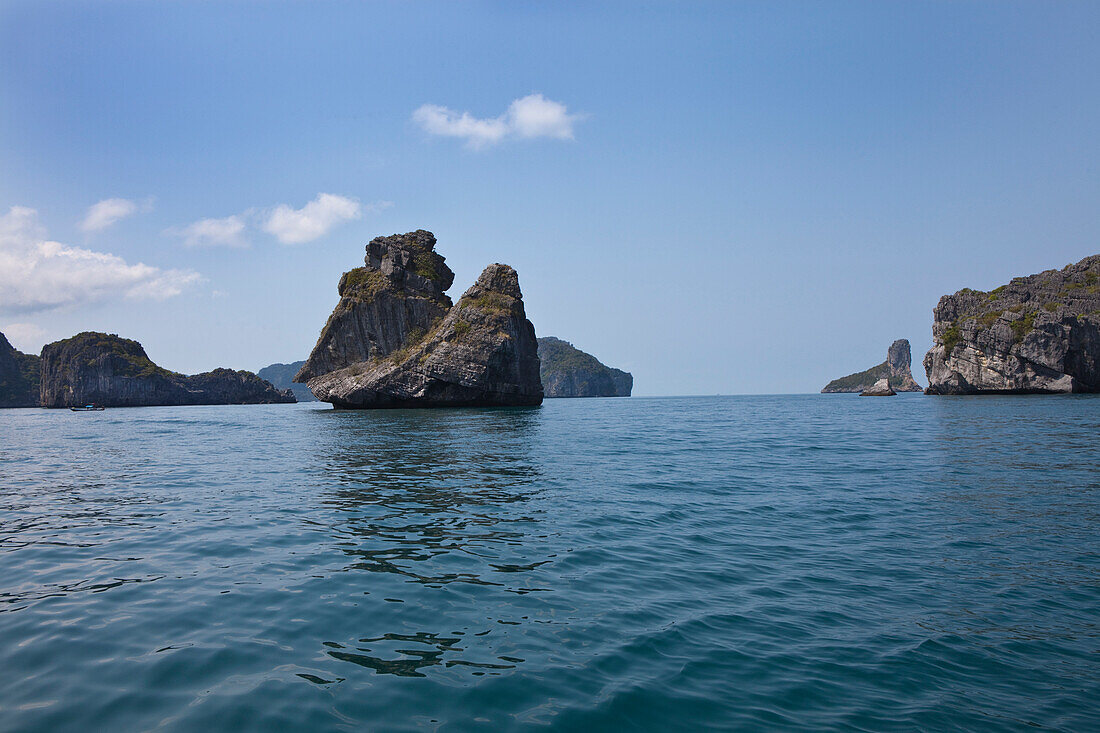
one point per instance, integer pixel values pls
(899, 357)
(397, 296)
(1035, 334)
(108, 370)
(896, 370)
(407, 261)
(482, 351)
(498, 278)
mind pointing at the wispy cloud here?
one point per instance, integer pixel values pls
(37, 274)
(109, 211)
(315, 219)
(528, 117)
(225, 232)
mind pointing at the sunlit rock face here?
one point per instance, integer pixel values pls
(395, 339)
(896, 370)
(1036, 334)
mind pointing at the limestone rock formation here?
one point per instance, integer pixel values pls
(19, 376)
(395, 298)
(896, 369)
(107, 370)
(566, 371)
(881, 388)
(1036, 334)
(281, 376)
(395, 340)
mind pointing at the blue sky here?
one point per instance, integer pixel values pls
(719, 197)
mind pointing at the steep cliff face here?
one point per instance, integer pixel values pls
(19, 376)
(395, 299)
(1036, 334)
(483, 352)
(566, 371)
(896, 370)
(107, 370)
(281, 376)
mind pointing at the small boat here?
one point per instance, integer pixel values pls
(88, 408)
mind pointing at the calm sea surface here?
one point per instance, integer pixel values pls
(794, 562)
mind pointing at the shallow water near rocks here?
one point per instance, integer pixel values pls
(795, 562)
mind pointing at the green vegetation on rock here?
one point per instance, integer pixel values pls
(988, 319)
(424, 265)
(566, 371)
(127, 357)
(109, 370)
(362, 282)
(491, 302)
(1030, 335)
(950, 338)
(1023, 326)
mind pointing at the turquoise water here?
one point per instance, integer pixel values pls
(794, 562)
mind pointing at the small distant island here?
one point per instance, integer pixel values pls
(1035, 334)
(105, 369)
(566, 371)
(396, 340)
(281, 376)
(896, 370)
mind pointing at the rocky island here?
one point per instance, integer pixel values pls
(1036, 334)
(396, 340)
(881, 388)
(566, 371)
(281, 376)
(19, 376)
(896, 370)
(111, 371)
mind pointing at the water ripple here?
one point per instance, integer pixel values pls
(710, 563)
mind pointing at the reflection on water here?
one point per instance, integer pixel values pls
(798, 562)
(434, 498)
(430, 654)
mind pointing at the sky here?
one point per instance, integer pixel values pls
(728, 197)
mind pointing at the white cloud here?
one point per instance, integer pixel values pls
(437, 120)
(37, 274)
(26, 337)
(528, 117)
(107, 212)
(225, 232)
(537, 116)
(315, 219)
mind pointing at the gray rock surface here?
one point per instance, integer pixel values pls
(881, 388)
(396, 298)
(896, 369)
(566, 371)
(395, 340)
(107, 370)
(1036, 334)
(19, 376)
(281, 376)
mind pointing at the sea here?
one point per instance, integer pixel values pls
(798, 562)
